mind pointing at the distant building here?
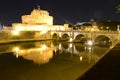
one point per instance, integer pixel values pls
(108, 25)
(7, 27)
(88, 26)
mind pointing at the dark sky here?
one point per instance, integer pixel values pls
(63, 11)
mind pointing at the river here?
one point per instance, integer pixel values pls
(47, 60)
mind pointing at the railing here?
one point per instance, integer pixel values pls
(82, 31)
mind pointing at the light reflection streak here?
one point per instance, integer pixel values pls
(81, 58)
(37, 55)
(40, 53)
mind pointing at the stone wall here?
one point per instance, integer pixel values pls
(23, 35)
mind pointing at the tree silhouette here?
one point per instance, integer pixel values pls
(118, 8)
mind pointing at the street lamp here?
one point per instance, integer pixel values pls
(107, 28)
(101, 28)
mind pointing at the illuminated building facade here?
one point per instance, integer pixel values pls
(38, 16)
(38, 20)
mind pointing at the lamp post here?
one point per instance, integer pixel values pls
(101, 28)
(118, 27)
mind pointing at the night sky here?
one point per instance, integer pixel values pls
(63, 11)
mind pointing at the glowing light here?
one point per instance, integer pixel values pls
(60, 34)
(44, 47)
(39, 57)
(71, 39)
(17, 55)
(44, 31)
(90, 49)
(15, 32)
(16, 49)
(90, 43)
(70, 45)
(18, 27)
(92, 29)
(81, 58)
(60, 46)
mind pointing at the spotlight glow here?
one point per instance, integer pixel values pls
(90, 43)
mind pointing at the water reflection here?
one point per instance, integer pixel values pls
(53, 61)
(87, 53)
(42, 52)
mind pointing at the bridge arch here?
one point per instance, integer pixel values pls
(79, 48)
(55, 36)
(65, 45)
(114, 36)
(80, 38)
(65, 37)
(103, 40)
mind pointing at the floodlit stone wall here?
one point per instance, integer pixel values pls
(38, 17)
(24, 35)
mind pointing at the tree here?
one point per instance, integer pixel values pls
(118, 8)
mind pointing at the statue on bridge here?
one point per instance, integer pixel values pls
(94, 26)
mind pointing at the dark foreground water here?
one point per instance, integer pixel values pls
(47, 60)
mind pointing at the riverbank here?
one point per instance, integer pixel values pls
(108, 68)
(22, 40)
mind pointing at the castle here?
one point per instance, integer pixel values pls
(38, 20)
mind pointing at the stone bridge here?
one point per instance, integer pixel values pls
(97, 37)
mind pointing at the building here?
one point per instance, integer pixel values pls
(88, 26)
(38, 16)
(38, 20)
(7, 27)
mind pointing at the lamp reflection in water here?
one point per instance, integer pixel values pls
(37, 55)
(81, 58)
(70, 40)
(70, 45)
(90, 43)
(16, 51)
